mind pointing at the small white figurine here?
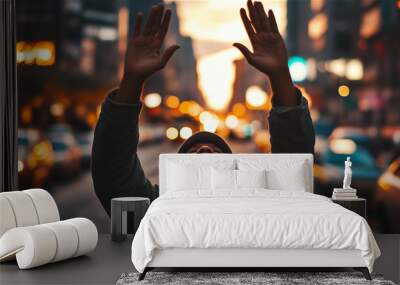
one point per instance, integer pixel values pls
(347, 174)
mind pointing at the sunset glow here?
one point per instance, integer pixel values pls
(216, 76)
(214, 25)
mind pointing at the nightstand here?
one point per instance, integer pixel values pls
(357, 205)
(119, 217)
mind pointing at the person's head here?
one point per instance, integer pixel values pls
(204, 142)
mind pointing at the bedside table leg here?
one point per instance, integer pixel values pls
(143, 274)
(364, 271)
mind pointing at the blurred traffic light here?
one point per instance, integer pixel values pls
(298, 68)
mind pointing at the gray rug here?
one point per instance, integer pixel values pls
(231, 278)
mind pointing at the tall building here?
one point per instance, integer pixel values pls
(68, 43)
(298, 15)
(181, 75)
(326, 35)
(246, 76)
(379, 50)
(353, 44)
(323, 29)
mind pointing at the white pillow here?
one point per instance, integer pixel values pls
(202, 160)
(226, 179)
(293, 179)
(188, 177)
(223, 179)
(251, 178)
(282, 174)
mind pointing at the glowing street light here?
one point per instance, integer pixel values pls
(57, 109)
(239, 109)
(209, 120)
(211, 125)
(256, 97)
(184, 107)
(344, 90)
(205, 116)
(354, 70)
(298, 68)
(152, 100)
(171, 133)
(343, 146)
(172, 102)
(231, 121)
(185, 133)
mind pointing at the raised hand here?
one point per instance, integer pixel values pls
(269, 52)
(143, 56)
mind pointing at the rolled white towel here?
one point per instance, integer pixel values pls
(23, 208)
(26, 208)
(37, 245)
(46, 207)
(32, 246)
(7, 218)
(67, 240)
(87, 234)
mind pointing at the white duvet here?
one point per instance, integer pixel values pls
(250, 219)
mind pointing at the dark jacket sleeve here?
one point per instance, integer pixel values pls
(291, 128)
(116, 169)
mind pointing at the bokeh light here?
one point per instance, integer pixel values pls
(298, 68)
(231, 121)
(172, 102)
(209, 120)
(354, 70)
(194, 109)
(344, 90)
(239, 110)
(184, 107)
(256, 97)
(171, 133)
(343, 146)
(185, 132)
(57, 109)
(152, 100)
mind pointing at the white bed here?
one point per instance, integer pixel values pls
(250, 226)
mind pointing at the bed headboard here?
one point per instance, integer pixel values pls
(205, 159)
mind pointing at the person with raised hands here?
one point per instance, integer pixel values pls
(116, 169)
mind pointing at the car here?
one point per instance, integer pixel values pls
(329, 169)
(323, 128)
(35, 159)
(388, 197)
(151, 133)
(356, 134)
(67, 154)
(85, 142)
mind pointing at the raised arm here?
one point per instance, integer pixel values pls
(116, 168)
(290, 122)
(143, 55)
